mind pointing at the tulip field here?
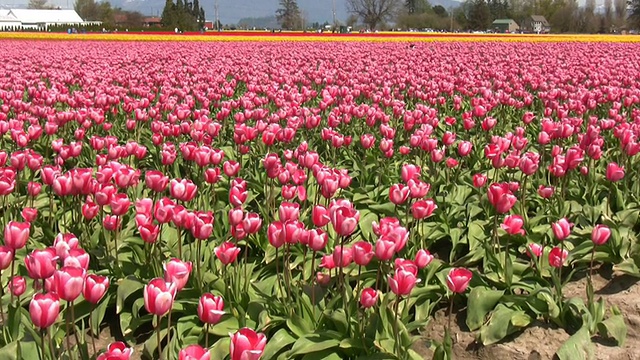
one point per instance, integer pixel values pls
(312, 200)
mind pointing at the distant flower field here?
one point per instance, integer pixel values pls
(295, 196)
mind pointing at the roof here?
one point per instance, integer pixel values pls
(503, 22)
(5, 15)
(36, 16)
(152, 19)
(541, 19)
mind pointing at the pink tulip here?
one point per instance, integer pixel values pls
(535, 249)
(95, 287)
(458, 279)
(614, 172)
(362, 253)
(63, 243)
(345, 220)
(545, 191)
(111, 222)
(561, 229)
(156, 181)
(501, 197)
(16, 234)
(210, 308)
(29, 214)
(17, 285)
(423, 258)
(41, 264)
(227, 252)
(320, 216)
(44, 309)
(398, 194)
(6, 257)
(479, 180)
(177, 272)
(422, 209)
(77, 258)
(557, 257)
(68, 282)
(512, 224)
(600, 234)
(369, 297)
(342, 256)
(159, 296)
(251, 223)
(182, 189)
(385, 249)
(402, 282)
(317, 239)
(289, 211)
(246, 344)
(194, 352)
(116, 351)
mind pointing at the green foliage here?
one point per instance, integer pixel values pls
(183, 16)
(288, 15)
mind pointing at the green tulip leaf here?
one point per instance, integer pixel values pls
(481, 301)
(615, 328)
(577, 347)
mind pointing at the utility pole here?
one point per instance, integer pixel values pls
(217, 18)
(335, 21)
(451, 16)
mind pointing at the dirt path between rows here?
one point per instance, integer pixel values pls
(540, 341)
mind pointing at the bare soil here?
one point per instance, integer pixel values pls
(540, 340)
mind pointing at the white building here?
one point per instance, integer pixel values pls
(37, 19)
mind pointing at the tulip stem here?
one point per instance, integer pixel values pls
(246, 266)
(378, 274)
(395, 326)
(158, 337)
(13, 263)
(73, 323)
(179, 231)
(66, 327)
(53, 354)
(169, 336)
(115, 243)
(93, 336)
(278, 274)
(589, 278)
(342, 263)
(42, 351)
(358, 285)
(287, 272)
(1, 304)
(206, 337)
(198, 259)
(313, 285)
(450, 314)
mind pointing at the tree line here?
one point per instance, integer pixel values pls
(183, 15)
(564, 16)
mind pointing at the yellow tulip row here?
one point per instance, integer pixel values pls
(292, 36)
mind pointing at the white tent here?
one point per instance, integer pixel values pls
(33, 18)
(8, 20)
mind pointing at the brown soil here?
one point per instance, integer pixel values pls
(540, 341)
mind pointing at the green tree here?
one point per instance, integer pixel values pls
(39, 4)
(169, 14)
(373, 12)
(634, 15)
(105, 14)
(87, 9)
(288, 14)
(479, 15)
(440, 11)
